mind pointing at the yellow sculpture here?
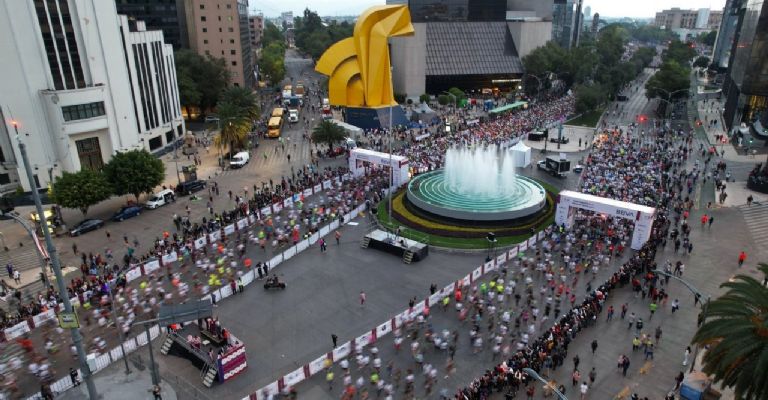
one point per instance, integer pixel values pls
(358, 67)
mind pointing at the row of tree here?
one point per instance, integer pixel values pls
(596, 69)
(127, 173)
(272, 60)
(313, 37)
(673, 77)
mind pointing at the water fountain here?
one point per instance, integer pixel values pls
(477, 183)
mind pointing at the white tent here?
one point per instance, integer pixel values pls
(521, 154)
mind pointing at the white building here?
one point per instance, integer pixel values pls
(82, 83)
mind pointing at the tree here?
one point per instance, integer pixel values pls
(271, 35)
(235, 125)
(708, 38)
(328, 132)
(272, 62)
(313, 37)
(201, 79)
(424, 98)
(680, 52)
(81, 189)
(671, 77)
(736, 330)
(443, 99)
(242, 98)
(701, 62)
(134, 172)
(589, 97)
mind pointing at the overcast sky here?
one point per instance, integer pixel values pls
(610, 8)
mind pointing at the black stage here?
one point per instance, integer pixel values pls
(397, 245)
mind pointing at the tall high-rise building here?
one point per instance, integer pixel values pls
(725, 35)
(219, 28)
(567, 22)
(256, 28)
(587, 12)
(595, 23)
(746, 82)
(83, 83)
(167, 16)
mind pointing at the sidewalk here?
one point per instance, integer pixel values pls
(708, 111)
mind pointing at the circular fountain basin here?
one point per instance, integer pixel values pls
(432, 193)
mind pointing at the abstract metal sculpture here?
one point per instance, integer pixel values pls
(358, 67)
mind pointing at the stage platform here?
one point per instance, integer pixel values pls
(409, 250)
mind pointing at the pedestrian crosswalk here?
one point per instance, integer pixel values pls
(756, 217)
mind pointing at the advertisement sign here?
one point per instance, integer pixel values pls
(327, 184)
(68, 320)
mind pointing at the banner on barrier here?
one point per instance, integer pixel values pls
(151, 266)
(288, 202)
(229, 229)
(327, 184)
(133, 274)
(277, 207)
(302, 245)
(294, 377)
(383, 329)
(288, 253)
(435, 298)
(512, 253)
(334, 225)
(266, 211)
(318, 188)
(364, 339)
(337, 181)
(16, 330)
(242, 223)
(214, 236)
(253, 218)
(317, 365)
(346, 176)
(271, 389)
(501, 258)
(532, 241)
(477, 273)
(490, 266)
(275, 261)
(224, 292)
(342, 351)
(541, 235)
(307, 192)
(200, 243)
(522, 247)
(314, 238)
(169, 258)
(324, 230)
(466, 281)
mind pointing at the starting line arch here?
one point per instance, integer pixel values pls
(362, 159)
(642, 215)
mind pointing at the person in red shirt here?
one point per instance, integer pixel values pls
(742, 258)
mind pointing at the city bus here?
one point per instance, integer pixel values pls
(278, 112)
(274, 127)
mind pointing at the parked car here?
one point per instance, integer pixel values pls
(190, 187)
(126, 212)
(211, 119)
(86, 226)
(161, 198)
(578, 168)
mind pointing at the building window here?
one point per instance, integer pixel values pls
(234, 63)
(169, 136)
(205, 30)
(232, 41)
(233, 52)
(236, 84)
(155, 143)
(207, 52)
(230, 29)
(83, 111)
(220, 30)
(202, 6)
(205, 41)
(229, 18)
(229, 6)
(219, 17)
(202, 19)
(5, 179)
(89, 152)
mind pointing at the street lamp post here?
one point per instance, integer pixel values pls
(77, 338)
(391, 139)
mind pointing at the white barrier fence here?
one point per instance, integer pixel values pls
(104, 360)
(386, 327)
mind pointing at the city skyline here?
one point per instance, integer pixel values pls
(606, 8)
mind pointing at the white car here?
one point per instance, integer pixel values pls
(293, 116)
(240, 159)
(161, 198)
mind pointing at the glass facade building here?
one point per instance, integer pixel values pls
(746, 83)
(165, 15)
(457, 10)
(566, 22)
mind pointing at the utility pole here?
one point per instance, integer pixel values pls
(77, 338)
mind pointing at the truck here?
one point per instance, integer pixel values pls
(554, 166)
(299, 90)
(287, 92)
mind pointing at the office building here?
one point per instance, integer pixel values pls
(219, 28)
(726, 33)
(82, 83)
(469, 44)
(587, 13)
(256, 28)
(746, 82)
(675, 18)
(595, 23)
(566, 22)
(165, 15)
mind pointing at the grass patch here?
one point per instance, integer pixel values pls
(588, 119)
(458, 243)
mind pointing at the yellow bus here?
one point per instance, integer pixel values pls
(274, 127)
(278, 112)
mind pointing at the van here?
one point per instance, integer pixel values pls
(293, 116)
(161, 198)
(239, 160)
(189, 187)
